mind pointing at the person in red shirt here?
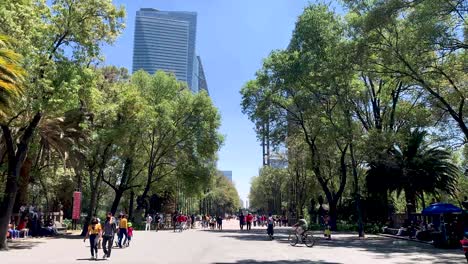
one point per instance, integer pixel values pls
(464, 244)
(249, 221)
(22, 227)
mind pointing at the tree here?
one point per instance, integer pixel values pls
(179, 127)
(223, 196)
(59, 42)
(421, 42)
(415, 168)
(11, 74)
(302, 87)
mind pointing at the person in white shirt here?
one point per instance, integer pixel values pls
(149, 220)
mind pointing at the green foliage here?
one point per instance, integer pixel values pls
(347, 93)
(223, 196)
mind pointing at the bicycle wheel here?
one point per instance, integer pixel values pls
(293, 239)
(309, 239)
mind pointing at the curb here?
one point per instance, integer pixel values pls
(406, 239)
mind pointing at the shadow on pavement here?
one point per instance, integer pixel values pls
(19, 244)
(382, 247)
(69, 237)
(279, 262)
(90, 259)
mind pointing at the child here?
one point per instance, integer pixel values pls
(327, 231)
(464, 244)
(129, 233)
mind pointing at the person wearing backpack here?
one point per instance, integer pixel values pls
(109, 230)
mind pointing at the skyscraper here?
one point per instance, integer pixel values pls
(227, 174)
(165, 40)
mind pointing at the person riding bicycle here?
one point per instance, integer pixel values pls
(301, 226)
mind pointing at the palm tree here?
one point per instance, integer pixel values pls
(11, 74)
(416, 168)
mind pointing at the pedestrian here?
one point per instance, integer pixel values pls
(149, 220)
(327, 231)
(193, 220)
(271, 222)
(94, 233)
(189, 222)
(241, 221)
(175, 217)
(464, 243)
(109, 229)
(129, 233)
(249, 221)
(157, 220)
(123, 225)
(220, 222)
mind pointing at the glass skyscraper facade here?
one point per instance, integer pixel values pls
(165, 40)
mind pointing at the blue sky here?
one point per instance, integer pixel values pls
(233, 36)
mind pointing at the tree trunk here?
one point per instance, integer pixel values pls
(115, 203)
(357, 195)
(130, 207)
(333, 214)
(15, 162)
(123, 186)
(23, 185)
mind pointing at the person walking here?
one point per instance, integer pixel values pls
(220, 222)
(241, 221)
(94, 234)
(149, 220)
(129, 234)
(249, 221)
(109, 229)
(270, 222)
(157, 221)
(175, 217)
(123, 225)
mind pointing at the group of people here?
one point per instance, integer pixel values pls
(182, 222)
(261, 220)
(212, 222)
(104, 234)
(158, 220)
(31, 223)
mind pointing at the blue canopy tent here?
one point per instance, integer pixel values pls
(441, 208)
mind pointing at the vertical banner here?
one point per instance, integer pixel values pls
(76, 206)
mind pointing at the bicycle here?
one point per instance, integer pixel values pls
(307, 238)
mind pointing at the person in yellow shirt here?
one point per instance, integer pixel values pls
(94, 233)
(123, 225)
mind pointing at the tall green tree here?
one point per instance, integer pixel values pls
(59, 41)
(11, 74)
(415, 168)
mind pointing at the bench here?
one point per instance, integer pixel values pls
(62, 230)
(390, 231)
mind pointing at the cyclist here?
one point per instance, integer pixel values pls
(301, 226)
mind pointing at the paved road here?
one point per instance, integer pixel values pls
(232, 246)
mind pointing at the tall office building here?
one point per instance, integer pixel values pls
(227, 174)
(165, 40)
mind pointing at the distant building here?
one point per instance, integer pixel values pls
(227, 174)
(165, 40)
(278, 162)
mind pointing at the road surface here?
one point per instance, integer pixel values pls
(231, 246)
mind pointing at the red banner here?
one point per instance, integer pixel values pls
(76, 206)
